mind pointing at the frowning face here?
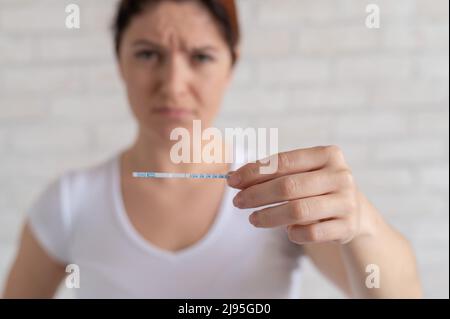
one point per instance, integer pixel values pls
(176, 66)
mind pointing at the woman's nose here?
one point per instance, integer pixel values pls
(175, 78)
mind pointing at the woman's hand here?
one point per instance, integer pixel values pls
(318, 200)
(314, 195)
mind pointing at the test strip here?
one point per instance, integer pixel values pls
(179, 175)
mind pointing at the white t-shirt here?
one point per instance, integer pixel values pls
(80, 219)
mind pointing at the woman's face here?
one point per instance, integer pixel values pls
(176, 66)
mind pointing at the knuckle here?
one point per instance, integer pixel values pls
(288, 186)
(346, 178)
(333, 150)
(337, 151)
(335, 154)
(284, 162)
(300, 211)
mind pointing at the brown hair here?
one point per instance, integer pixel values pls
(223, 11)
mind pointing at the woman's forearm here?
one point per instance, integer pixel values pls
(381, 263)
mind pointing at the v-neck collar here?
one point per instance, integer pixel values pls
(131, 232)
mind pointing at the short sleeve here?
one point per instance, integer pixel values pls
(50, 223)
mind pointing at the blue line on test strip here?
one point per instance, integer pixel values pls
(179, 175)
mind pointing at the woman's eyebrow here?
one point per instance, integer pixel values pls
(204, 48)
(147, 43)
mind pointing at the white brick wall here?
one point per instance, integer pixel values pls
(309, 67)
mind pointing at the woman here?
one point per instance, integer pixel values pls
(188, 238)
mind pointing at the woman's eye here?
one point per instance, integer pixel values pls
(202, 58)
(146, 55)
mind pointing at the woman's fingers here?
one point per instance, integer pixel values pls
(292, 187)
(296, 161)
(302, 211)
(332, 230)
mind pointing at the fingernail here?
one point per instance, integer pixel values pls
(234, 179)
(237, 200)
(252, 219)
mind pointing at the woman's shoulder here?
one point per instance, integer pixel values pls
(51, 215)
(75, 185)
(89, 177)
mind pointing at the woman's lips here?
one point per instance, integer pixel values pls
(174, 113)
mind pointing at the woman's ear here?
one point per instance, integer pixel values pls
(237, 52)
(237, 56)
